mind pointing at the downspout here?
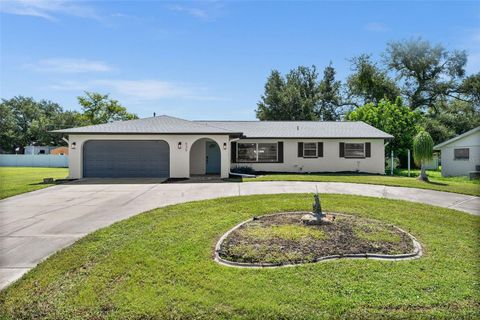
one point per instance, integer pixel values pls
(384, 146)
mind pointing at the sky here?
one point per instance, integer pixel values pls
(208, 59)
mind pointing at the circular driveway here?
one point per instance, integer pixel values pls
(36, 224)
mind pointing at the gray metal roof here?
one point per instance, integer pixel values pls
(161, 124)
(463, 135)
(302, 129)
(249, 129)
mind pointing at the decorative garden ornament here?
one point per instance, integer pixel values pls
(317, 216)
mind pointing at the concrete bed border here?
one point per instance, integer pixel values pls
(417, 250)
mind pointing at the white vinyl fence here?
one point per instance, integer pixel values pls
(33, 160)
(433, 164)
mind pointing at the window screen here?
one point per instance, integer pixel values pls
(267, 152)
(310, 150)
(461, 154)
(247, 152)
(354, 150)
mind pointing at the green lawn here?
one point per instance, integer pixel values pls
(437, 182)
(159, 265)
(17, 180)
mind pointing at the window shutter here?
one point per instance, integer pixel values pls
(233, 152)
(342, 149)
(368, 150)
(280, 152)
(300, 150)
(320, 149)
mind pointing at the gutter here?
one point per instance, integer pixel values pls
(242, 175)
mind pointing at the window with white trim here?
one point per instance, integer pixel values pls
(461, 154)
(257, 152)
(354, 150)
(310, 150)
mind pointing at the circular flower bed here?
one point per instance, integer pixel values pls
(283, 239)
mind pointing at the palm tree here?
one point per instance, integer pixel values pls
(422, 152)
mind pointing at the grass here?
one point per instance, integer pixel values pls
(287, 232)
(272, 254)
(376, 234)
(159, 265)
(17, 180)
(437, 182)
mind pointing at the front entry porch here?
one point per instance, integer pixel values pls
(205, 159)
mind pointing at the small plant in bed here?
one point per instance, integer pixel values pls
(281, 239)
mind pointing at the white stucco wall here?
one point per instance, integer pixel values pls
(330, 162)
(179, 158)
(184, 162)
(198, 155)
(452, 167)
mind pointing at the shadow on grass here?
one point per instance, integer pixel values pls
(437, 183)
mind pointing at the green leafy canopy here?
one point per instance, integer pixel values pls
(422, 147)
(393, 118)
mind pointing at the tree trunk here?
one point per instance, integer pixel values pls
(423, 173)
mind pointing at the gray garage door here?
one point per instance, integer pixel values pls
(125, 159)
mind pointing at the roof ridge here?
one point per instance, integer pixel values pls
(265, 121)
(465, 134)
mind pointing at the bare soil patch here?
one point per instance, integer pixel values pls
(284, 239)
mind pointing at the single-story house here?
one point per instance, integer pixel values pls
(38, 149)
(165, 146)
(460, 155)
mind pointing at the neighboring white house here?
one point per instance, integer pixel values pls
(38, 149)
(171, 147)
(461, 154)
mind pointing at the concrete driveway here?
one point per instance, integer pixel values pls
(36, 224)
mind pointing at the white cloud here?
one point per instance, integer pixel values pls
(136, 90)
(64, 65)
(205, 10)
(47, 9)
(196, 12)
(68, 86)
(376, 27)
(145, 89)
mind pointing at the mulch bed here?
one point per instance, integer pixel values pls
(346, 235)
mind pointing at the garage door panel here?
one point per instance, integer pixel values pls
(126, 159)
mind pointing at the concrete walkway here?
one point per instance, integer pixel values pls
(36, 224)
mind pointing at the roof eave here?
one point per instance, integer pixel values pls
(156, 133)
(316, 137)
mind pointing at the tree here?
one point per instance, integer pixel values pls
(422, 152)
(301, 96)
(429, 72)
(470, 88)
(100, 108)
(25, 121)
(393, 118)
(8, 129)
(368, 83)
(329, 97)
(293, 97)
(453, 118)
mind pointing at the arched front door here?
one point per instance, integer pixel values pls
(213, 159)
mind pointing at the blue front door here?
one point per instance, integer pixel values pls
(213, 158)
